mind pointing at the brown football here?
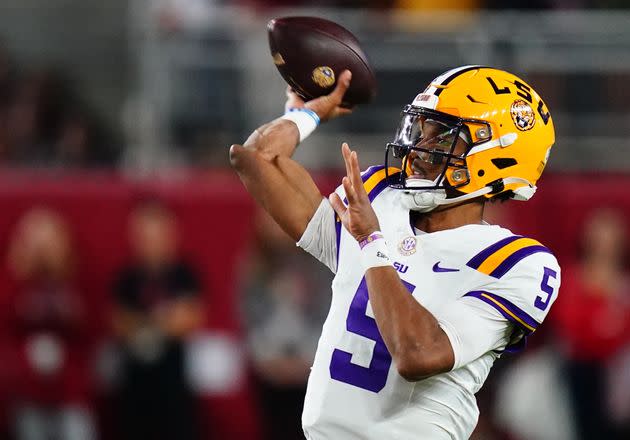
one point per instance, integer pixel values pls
(311, 53)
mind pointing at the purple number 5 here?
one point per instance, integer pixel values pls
(541, 303)
(374, 377)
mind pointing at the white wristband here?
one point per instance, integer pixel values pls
(375, 254)
(305, 119)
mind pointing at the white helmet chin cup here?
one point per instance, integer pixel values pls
(429, 199)
(419, 200)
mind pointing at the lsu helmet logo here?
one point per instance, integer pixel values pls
(522, 115)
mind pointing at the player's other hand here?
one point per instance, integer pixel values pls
(328, 106)
(358, 217)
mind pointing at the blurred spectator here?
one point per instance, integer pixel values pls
(44, 123)
(156, 308)
(286, 301)
(592, 321)
(46, 319)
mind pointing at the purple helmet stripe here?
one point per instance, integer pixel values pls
(478, 259)
(517, 256)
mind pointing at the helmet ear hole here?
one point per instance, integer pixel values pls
(504, 162)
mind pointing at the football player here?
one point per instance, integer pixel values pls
(426, 295)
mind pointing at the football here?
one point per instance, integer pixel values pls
(311, 53)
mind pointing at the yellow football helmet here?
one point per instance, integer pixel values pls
(506, 126)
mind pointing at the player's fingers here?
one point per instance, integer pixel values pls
(337, 204)
(342, 85)
(351, 194)
(345, 152)
(352, 173)
(355, 177)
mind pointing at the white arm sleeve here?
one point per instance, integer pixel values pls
(474, 328)
(320, 239)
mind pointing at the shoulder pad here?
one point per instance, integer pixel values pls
(497, 259)
(375, 179)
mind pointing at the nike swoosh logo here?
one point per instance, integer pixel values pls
(437, 268)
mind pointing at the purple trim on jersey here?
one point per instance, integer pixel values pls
(517, 256)
(338, 236)
(371, 171)
(380, 187)
(366, 175)
(478, 259)
(514, 310)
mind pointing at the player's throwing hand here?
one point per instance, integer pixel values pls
(358, 217)
(328, 106)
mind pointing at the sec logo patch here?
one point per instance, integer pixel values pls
(408, 246)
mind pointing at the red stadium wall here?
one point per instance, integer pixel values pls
(215, 216)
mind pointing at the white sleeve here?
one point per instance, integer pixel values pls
(474, 329)
(320, 239)
(505, 312)
(530, 288)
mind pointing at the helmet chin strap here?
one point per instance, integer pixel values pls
(429, 199)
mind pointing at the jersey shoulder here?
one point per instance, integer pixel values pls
(378, 178)
(375, 179)
(522, 279)
(509, 255)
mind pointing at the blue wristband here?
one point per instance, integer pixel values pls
(308, 111)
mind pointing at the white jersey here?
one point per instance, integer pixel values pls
(487, 287)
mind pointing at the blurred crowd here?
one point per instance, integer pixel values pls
(46, 119)
(50, 382)
(45, 123)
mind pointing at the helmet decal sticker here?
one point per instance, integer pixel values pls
(522, 115)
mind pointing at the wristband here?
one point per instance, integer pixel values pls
(370, 238)
(305, 119)
(374, 252)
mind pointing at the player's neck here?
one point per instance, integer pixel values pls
(449, 217)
